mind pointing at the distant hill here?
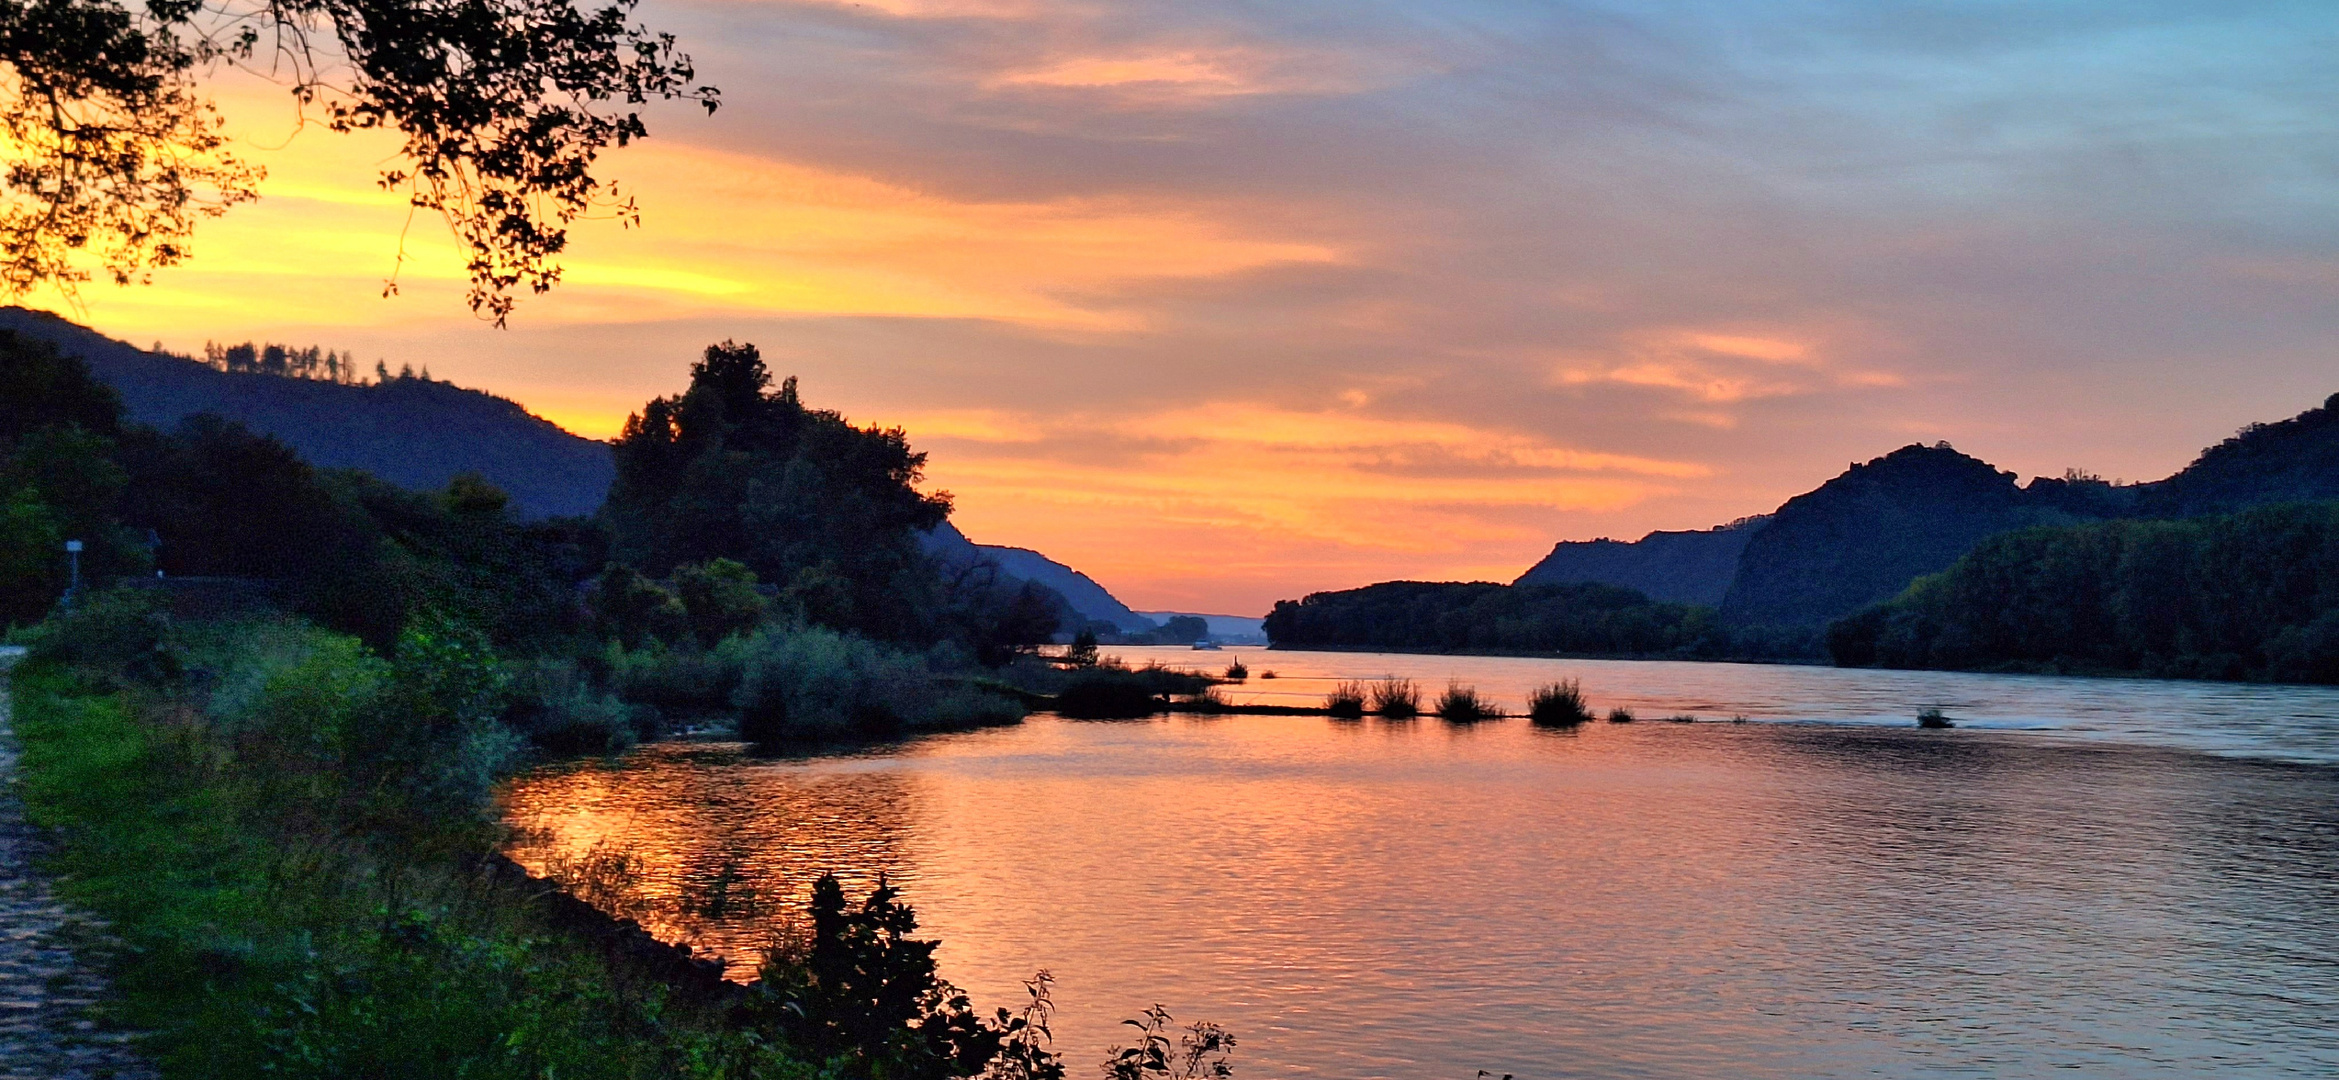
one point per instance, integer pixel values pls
(1225, 629)
(2294, 460)
(416, 433)
(1688, 567)
(1863, 536)
(1087, 598)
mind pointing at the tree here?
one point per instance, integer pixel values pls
(827, 511)
(505, 106)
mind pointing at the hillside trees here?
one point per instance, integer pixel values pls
(2253, 595)
(827, 512)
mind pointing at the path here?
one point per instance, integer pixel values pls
(46, 1030)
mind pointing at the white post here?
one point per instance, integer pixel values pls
(73, 552)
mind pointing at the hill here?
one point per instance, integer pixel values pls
(1088, 599)
(416, 433)
(1863, 536)
(2294, 460)
(1686, 567)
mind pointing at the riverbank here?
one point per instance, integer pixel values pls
(53, 989)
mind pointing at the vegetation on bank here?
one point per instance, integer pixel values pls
(290, 834)
(2253, 595)
(1582, 619)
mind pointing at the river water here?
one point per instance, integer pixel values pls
(2086, 877)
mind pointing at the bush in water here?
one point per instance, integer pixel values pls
(1397, 699)
(1559, 704)
(1105, 694)
(1462, 705)
(1346, 701)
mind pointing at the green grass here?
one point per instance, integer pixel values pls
(281, 945)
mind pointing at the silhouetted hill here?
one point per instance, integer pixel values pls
(1088, 599)
(2294, 460)
(416, 433)
(1863, 536)
(1688, 567)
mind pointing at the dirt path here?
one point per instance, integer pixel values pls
(46, 1028)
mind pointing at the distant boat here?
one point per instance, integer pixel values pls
(1206, 646)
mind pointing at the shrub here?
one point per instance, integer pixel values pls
(1105, 694)
(1397, 699)
(1933, 718)
(1559, 704)
(1236, 671)
(1346, 701)
(719, 598)
(1462, 705)
(116, 633)
(560, 710)
(1621, 715)
(678, 681)
(814, 684)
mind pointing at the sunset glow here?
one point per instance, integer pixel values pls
(1223, 305)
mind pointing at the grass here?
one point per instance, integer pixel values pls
(1681, 718)
(1559, 704)
(1397, 699)
(1107, 695)
(261, 943)
(1236, 672)
(1621, 715)
(1346, 701)
(1933, 718)
(1462, 705)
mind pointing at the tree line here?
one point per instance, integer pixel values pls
(2251, 595)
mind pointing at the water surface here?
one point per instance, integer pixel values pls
(1374, 899)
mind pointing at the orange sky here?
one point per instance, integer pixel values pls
(1222, 306)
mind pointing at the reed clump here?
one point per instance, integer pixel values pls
(1396, 699)
(1462, 705)
(1559, 704)
(1236, 672)
(1933, 718)
(1621, 715)
(1346, 701)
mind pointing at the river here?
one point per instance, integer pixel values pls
(2086, 877)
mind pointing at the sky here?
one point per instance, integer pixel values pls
(1223, 303)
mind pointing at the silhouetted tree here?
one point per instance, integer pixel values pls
(504, 106)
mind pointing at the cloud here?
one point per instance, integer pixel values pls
(1224, 302)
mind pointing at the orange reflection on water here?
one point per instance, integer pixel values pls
(721, 849)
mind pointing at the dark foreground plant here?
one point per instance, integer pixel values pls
(1462, 705)
(1559, 704)
(1346, 701)
(1621, 715)
(1199, 1051)
(1397, 699)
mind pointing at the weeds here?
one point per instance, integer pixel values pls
(1200, 1051)
(1621, 715)
(1397, 699)
(1236, 671)
(1559, 704)
(1346, 701)
(1462, 705)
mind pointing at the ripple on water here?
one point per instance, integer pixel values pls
(1660, 900)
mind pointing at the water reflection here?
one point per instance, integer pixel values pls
(725, 846)
(1420, 899)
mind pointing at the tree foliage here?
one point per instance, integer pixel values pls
(2253, 595)
(827, 511)
(1463, 616)
(504, 106)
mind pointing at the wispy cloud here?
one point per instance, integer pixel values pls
(1225, 302)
